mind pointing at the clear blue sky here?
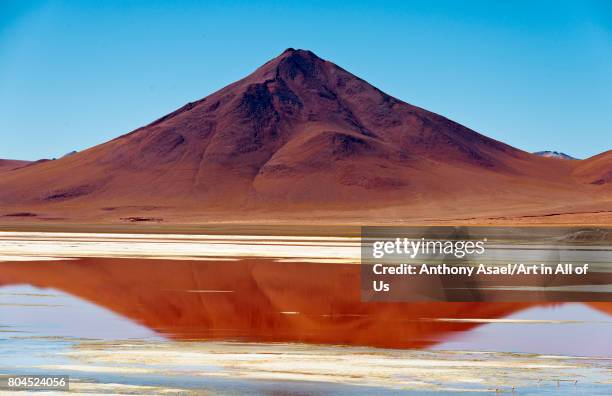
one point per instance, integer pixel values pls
(534, 74)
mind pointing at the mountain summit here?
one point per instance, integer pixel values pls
(298, 133)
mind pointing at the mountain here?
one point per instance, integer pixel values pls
(73, 152)
(554, 154)
(298, 138)
(597, 169)
(8, 164)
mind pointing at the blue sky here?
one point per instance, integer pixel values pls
(536, 75)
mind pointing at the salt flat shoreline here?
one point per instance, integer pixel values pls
(44, 245)
(35, 246)
(162, 367)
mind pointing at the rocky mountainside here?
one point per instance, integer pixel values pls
(298, 133)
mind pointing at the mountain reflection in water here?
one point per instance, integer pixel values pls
(258, 300)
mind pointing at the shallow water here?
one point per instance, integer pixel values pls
(276, 321)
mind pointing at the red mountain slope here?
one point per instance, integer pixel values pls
(8, 164)
(597, 169)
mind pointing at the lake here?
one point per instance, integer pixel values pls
(270, 314)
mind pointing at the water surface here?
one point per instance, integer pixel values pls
(286, 317)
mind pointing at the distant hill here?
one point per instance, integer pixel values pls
(8, 164)
(554, 154)
(73, 152)
(597, 169)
